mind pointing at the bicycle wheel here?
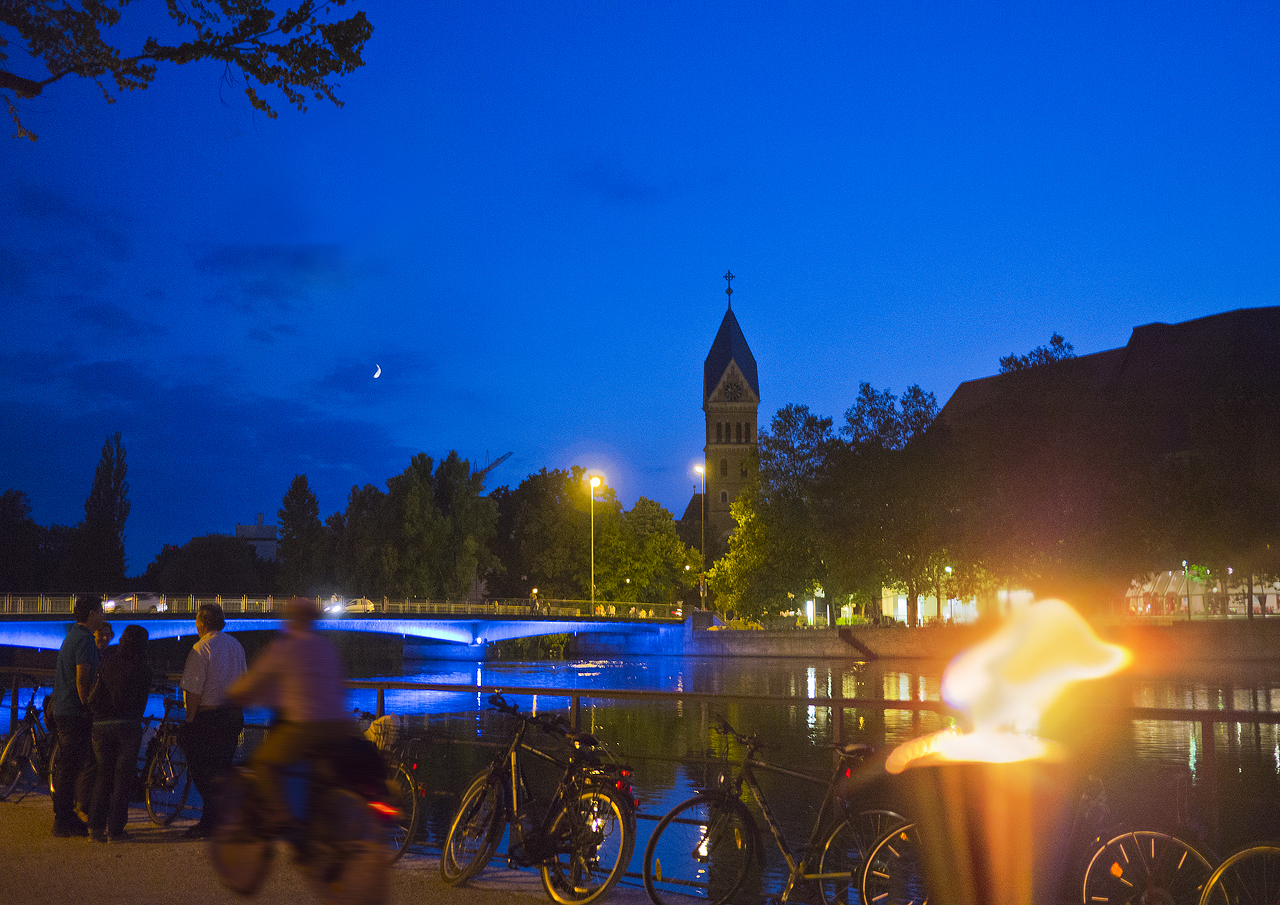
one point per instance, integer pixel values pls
(1248, 877)
(846, 849)
(893, 871)
(404, 795)
(240, 856)
(593, 836)
(15, 760)
(476, 829)
(703, 849)
(168, 783)
(344, 855)
(1146, 866)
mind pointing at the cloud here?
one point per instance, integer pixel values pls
(282, 274)
(607, 181)
(111, 322)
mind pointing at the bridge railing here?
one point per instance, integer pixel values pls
(45, 604)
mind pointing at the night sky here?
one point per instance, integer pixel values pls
(524, 210)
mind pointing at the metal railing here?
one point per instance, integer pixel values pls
(1207, 720)
(54, 605)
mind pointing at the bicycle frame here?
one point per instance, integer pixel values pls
(798, 869)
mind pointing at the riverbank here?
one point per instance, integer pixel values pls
(1155, 645)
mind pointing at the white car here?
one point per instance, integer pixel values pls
(359, 605)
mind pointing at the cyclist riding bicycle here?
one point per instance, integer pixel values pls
(300, 676)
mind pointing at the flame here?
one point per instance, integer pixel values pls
(1007, 682)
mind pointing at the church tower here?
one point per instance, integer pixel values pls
(730, 399)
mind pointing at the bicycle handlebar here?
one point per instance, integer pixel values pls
(556, 724)
(722, 726)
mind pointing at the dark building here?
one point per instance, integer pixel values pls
(1167, 448)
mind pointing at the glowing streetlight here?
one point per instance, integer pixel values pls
(951, 613)
(595, 482)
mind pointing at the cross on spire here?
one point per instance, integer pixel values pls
(728, 279)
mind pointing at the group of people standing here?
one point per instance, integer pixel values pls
(97, 710)
(99, 701)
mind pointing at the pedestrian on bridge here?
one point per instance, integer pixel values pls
(213, 725)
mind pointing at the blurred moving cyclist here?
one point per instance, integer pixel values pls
(300, 675)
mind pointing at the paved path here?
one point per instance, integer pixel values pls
(158, 867)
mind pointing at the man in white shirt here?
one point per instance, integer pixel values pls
(214, 723)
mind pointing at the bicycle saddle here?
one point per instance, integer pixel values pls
(855, 749)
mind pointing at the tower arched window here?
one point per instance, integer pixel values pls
(724, 468)
(742, 467)
(739, 432)
(719, 432)
(750, 431)
(724, 496)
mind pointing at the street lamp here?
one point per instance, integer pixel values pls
(702, 583)
(595, 482)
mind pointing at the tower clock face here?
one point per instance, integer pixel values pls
(733, 390)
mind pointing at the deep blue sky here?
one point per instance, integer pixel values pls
(523, 211)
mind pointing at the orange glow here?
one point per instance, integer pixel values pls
(1007, 682)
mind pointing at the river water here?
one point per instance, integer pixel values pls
(1155, 771)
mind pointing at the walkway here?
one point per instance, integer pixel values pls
(158, 867)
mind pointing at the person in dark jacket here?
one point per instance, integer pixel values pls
(117, 704)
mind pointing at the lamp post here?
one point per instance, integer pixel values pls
(951, 613)
(595, 482)
(702, 584)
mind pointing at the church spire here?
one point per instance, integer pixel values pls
(728, 279)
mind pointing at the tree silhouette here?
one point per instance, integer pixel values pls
(101, 553)
(299, 52)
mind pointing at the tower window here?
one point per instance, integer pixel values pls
(742, 467)
(719, 432)
(724, 496)
(724, 468)
(739, 431)
(750, 430)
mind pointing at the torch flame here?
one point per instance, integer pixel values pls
(1007, 682)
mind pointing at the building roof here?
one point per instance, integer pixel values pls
(1166, 378)
(730, 345)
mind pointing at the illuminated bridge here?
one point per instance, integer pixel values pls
(41, 622)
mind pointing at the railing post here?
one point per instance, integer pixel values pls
(576, 707)
(1208, 745)
(381, 709)
(13, 703)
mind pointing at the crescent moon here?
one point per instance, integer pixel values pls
(377, 373)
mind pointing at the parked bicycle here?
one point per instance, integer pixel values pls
(1112, 866)
(166, 784)
(337, 833)
(30, 749)
(1249, 876)
(400, 757)
(707, 846)
(583, 840)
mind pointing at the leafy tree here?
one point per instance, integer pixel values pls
(546, 542)
(20, 540)
(775, 549)
(1057, 350)
(362, 539)
(299, 51)
(645, 561)
(470, 523)
(212, 564)
(878, 420)
(302, 540)
(105, 511)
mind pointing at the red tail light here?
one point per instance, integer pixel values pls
(384, 810)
